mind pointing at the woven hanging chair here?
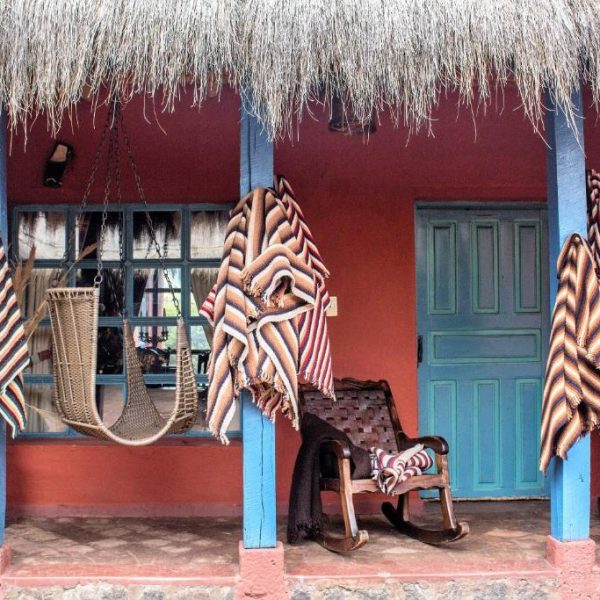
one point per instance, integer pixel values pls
(74, 320)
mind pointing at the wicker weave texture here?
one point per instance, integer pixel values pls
(74, 320)
(362, 414)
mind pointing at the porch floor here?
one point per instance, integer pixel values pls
(506, 539)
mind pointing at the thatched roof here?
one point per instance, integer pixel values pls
(396, 54)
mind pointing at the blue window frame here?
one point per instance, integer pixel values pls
(191, 239)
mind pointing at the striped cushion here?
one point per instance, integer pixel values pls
(14, 356)
(390, 470)
(267, 309)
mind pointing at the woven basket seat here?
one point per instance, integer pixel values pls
(74, 320)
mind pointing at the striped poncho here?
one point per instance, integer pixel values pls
(268, 310)
(571, 404)
(14, 356)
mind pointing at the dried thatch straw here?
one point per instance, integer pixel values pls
(397, 54)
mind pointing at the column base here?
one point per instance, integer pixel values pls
(4, 558)
(261, 573)
(575, 562)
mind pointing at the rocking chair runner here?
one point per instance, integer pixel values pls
(74, 320)
(366, 413)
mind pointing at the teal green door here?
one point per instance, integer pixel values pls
(482, 296)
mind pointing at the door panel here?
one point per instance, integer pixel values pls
(482, 275)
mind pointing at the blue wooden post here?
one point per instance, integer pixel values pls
(569, 479)
(256, 169)
(5, 240)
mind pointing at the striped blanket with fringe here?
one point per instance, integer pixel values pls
(390, 470)
(14, 356)
(571, 402)
(268, 310)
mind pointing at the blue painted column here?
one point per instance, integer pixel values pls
(260, 528)
(5, 240)
(569, 479)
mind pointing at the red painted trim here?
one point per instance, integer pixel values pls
(124, 510)
(417, 570)
(69, 575)
(5, 556)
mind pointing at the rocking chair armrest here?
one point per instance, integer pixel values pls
(339, 448)
(436, 443)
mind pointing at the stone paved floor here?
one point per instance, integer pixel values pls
(120, 541)
(500, 533)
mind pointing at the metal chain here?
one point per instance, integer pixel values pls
(149, 223)
(110, 160)
(86, 195)
(121, 226)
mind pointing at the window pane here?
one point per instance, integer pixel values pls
(40, 351)
(201, 282)
(88, 228)
(34, 294)
(201, 342)
(167, 228)
(111, 289)
(41, 414)
(157, 348)
(45, 231)
(110, 350)
(208, 233)
(151, 294)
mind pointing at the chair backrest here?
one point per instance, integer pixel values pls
(364, 411)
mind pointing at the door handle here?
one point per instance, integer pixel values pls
(419, 349)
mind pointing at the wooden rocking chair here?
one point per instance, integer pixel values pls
(366, 413)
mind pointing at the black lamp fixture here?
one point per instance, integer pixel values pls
(56, 164)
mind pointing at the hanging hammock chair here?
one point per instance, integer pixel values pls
(74, 320)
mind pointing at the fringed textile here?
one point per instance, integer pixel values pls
(14, 356)
(268, 310)
(390, 470)
(571, 403)
(593, 214)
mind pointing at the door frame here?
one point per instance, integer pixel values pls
(423, 204)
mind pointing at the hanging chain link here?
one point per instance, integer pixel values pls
(114, 126)
(86, 194)
(111, 158)
(149, 223)
(121, 226)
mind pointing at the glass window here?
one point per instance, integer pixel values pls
(111, 289)
(202, 281)
(43, 229)
(167, 229)
(192, 260)
(208, 233)
(89, 226)
(40, 351)
(152, 296)
(34, 293)
(157, 348)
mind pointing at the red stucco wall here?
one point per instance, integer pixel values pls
(358, 199)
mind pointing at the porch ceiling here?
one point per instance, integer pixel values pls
(282, 53)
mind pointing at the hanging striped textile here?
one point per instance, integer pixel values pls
(593, 214)
(268, 310)
(571, 403)
(390, 470)
(14, 356)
